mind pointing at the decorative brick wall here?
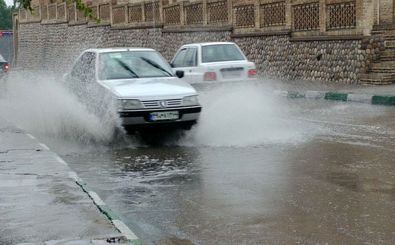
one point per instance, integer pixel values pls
(244, 16)
(152, 11)
(54, 47)
(217, 12)
(288, 39)
(306, 17)
(135, 13)
(273, 14)
(341, 15)
(194, 13)
(172, 15)
(386, 11)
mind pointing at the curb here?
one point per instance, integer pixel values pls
(131, 238)
(128, 236)
(388, 100)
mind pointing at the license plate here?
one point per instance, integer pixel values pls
(164, 115)
(232, 72)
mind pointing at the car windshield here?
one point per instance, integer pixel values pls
(132, 64)
(221, 52)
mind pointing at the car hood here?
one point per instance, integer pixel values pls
(150, 88)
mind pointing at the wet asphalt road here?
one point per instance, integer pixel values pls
(314, 172)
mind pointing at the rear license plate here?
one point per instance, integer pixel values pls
(231, 72)
(164, 115)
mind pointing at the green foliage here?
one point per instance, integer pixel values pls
(85, 9)
(27, 4)
(5, 16)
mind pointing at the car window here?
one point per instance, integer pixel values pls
(132, 64)
(84, 68)
(221, 52)
(2, 59)
(187, 57)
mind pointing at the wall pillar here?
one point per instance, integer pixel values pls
(367, 15)
(386, 11)
(322, 16)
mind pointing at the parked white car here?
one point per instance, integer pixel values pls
(140, 82)
(4, 66)
(213, 62)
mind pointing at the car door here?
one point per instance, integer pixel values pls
(186, 60)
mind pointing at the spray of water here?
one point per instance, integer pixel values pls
(243, 114)
(41, 104)
(233, 114)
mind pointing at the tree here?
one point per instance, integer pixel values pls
(5, 16)
(27, 4)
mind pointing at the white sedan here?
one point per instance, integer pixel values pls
(213, 62)
(139, 82)
(4, 66)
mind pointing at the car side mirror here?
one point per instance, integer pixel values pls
(180, 74)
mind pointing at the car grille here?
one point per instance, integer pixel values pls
(154, 104)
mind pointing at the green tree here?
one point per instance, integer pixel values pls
(5, 16)
(27, 4)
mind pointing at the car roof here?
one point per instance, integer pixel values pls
(207, 44)
(109, 50)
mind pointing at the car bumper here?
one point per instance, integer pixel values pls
(142, 117)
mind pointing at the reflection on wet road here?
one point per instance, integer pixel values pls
(332, 184)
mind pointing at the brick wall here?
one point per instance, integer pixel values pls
(54, 47)
(288, 39)
(386, 10)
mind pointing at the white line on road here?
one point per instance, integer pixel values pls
(74, 176)
(124, 230)
(31, 136)
(61, 160)
(44, 146)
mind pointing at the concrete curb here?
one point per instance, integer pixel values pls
(388, 100)
(128, 236)
(131, 238)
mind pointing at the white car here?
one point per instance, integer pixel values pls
(140, 82)
(4, 66)
(213, 62)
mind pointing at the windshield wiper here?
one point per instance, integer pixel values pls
(157, 66)
(126, 67)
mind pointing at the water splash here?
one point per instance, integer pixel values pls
(41, 104)
(244, 114)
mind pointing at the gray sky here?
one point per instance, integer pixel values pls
(8, 2)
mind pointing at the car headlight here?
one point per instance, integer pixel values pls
(190, 100)
(126, 104)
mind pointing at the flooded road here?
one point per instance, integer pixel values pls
(334, 183)
(257, 169)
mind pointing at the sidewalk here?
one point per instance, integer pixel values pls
(41, 202)
(376, 95)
